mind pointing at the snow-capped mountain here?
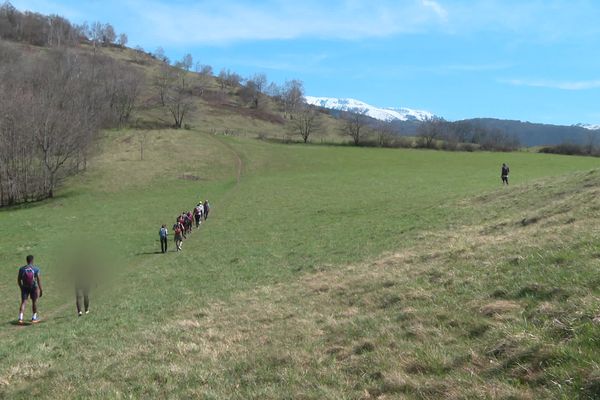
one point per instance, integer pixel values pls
(382, 114)
(591, 127)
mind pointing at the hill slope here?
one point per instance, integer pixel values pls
(320, 279)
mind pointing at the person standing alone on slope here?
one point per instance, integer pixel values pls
(163, 233)
(30, 284)
(504, 174)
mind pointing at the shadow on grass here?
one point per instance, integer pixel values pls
(145, 253)
(37, 203)
(24, 323)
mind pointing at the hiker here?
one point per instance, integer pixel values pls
(178, 233)
(206, 209)
(83, 273)
(181, 222)
(30, 284)
(504, 174)
(198, 213)
(189, 221)
(163, 233)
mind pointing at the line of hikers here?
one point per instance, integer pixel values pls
(184, 225)
(30, 283)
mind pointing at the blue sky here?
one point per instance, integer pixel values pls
(535, 60)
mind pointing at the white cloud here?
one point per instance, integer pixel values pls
(550, 84)
(201, 22)
(436, 7)
(210, 23)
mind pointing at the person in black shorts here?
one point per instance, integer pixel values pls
(30, 284)
(504, 174)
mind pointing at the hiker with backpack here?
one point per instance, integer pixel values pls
(178, 234)
(504, 174)
(206, 209)
(181, 223)
(163, 234)
(30, 284)
(189, 221)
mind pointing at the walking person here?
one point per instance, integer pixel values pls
(30, 284)
(198, 214)
(206, 209)
(504, 174)
(84, 276)
(178, 233)
(163, 234)
(189, 221)
(181, 222)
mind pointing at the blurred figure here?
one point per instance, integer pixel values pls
(30, 284)
(84, 274)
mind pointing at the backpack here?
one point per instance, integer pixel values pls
(178, 231)
(28, 277)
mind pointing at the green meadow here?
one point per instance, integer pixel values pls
(323, 272)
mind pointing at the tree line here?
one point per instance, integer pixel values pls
(53, 30)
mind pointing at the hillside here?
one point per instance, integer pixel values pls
(320, 279)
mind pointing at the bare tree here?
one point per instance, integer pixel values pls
(354, 125)
(305, 122)
(178, 98)
(203, 69)
(385, 133)
(160, 55)
(293, 96)
(274, 90)
(226, 79)
(187, 61)
(96, 33)
(127, 91)
(429, 131)
(122, 40)
(163, 81)
(255, 87)
(590, 142)
(108, 35)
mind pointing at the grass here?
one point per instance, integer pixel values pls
(323, 272)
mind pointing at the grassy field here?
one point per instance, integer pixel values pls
(323, 272)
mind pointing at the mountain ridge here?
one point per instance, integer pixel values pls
(386, 114)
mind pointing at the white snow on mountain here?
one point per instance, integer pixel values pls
(592, 127)
(382, 114)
